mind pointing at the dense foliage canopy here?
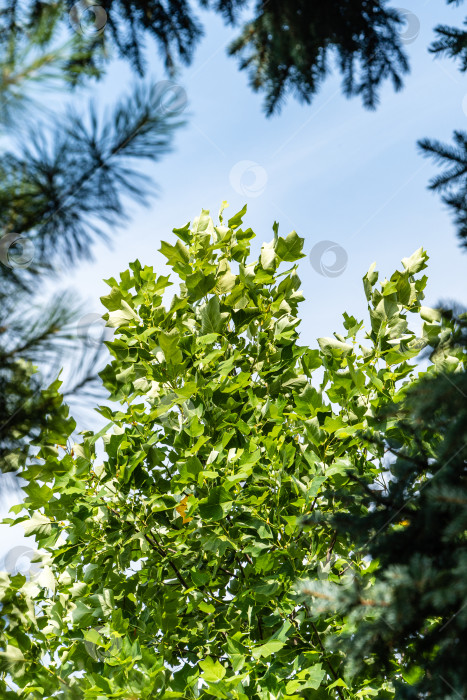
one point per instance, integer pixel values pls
(174, 540)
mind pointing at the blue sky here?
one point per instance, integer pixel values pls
(331, 171)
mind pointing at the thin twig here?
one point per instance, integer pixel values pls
(160, 551)
(331, 547)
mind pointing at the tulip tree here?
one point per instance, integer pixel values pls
(172, 541)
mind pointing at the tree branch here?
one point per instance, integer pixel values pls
(163, 553)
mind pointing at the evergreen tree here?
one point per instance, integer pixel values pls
(28, 337)
(452, 183)
(58, 185)
(33, 54)
(451, 41)
(286, 48)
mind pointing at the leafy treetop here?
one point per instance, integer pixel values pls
(172, 540)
